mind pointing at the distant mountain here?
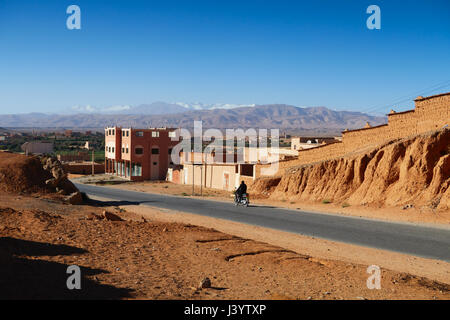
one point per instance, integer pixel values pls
(158, 107)
(205, 106)
(284, 117)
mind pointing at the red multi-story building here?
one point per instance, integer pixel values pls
(139, 154)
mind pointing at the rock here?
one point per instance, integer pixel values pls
(205, 283)
(51, 183)
(75, 198)
(58, 173)
(67, 186)
(111, 216)
(93, 216)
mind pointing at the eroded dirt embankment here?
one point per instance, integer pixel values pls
(414, 171)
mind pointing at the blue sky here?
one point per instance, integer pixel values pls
(305, 53)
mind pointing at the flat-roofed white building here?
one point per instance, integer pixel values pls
(37, 147)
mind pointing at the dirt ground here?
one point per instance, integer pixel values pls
(154, 259)
(414, 215)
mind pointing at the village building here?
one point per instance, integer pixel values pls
(301, 143)
(139, 154)
(37, 147)
(211, 170)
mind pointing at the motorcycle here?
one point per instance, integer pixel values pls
(243, 200)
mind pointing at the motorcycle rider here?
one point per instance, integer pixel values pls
(241, 190)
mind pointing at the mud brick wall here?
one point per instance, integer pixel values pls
(430, 113)
(361, 138)
(83, 168)
(401, 125)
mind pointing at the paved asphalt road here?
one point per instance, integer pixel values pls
(411, 239)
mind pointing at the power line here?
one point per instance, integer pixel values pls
(410, 96)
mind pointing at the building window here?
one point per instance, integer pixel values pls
(128, 133)
(113, 131)
(109, 132)
(139, 150)
(155, 134)
(172, 134)
(136, 169)
(155, 151)
(170, 151)
(126, 150)
(139, 133)
(155, 163)
(123, 133)
(123, 150)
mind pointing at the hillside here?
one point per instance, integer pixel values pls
(409, 172)
(280, 116)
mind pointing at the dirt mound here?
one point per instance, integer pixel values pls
(20, 173)
(414, 171)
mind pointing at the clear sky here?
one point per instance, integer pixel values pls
(305, 53)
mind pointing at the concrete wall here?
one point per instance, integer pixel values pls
(212, 176)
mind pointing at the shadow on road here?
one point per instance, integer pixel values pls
(261, 206)
(23, 277)
(114, 203)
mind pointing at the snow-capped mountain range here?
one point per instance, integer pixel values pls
(155, 108)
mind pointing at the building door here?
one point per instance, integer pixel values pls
(154, 169)
(226, 180)
(154, 164)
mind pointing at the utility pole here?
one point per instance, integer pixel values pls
(193, 170)
(93, 167)
(201, 180)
